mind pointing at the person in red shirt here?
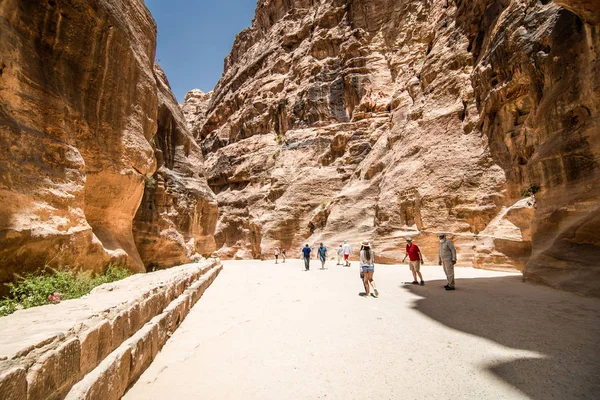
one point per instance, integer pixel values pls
(416, 259)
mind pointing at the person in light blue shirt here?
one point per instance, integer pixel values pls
(322, 252)
(306, 256)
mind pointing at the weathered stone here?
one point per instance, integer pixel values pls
(112, 377)
(96, 344)
(54, 374)
(13, 384)
(142, 350)
(178, 214)
(108, 381)
(49, 349)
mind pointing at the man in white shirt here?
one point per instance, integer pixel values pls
(447, 258)
(347, 251)
(340, 255)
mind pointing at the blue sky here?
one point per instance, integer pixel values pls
(195, 36)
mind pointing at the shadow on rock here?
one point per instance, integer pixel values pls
(562, 327)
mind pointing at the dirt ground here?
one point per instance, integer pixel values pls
(266, 331)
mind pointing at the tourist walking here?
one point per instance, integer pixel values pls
(306, 256)
(347, 251)
(283, 255)
(276, 253)
(367, 267)
(340, 255)
(322, 253)
(415, 260)
(447, 258)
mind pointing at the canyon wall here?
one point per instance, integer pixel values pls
(380, 119)
(176, 220)
(80, 104)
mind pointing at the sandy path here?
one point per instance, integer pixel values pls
(265, 331)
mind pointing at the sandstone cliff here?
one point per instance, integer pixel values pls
(78, 106)
(380, 119)
(176, 220)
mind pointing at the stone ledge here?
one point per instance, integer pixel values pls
(125, 365)
(64, 342)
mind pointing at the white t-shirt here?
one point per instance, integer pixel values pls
(363, 259)
(347, 248)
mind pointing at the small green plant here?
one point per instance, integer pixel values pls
(280, 139)
(530, 193)
(150, 182)
(50, 286)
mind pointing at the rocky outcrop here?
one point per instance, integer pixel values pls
(380, 119)
(176, 220)
(78, 107)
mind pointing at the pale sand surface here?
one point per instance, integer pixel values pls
(266, 331)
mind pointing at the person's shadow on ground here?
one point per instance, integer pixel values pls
(562, 327)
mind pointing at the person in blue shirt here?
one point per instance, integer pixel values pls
(306, 255)
(322, 252)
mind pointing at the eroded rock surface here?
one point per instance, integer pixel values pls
(176, 220)
(78, 106)
(381, 119)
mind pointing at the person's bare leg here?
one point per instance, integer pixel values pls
(366, 283)
(372, 282)
(420, 276)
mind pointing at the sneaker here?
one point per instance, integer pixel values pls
(446, 286)
(450, 288)
(363, 294)
(422, 283)
(414, 282)
(376, 293)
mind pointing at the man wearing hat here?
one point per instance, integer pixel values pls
(447, 258)
(415, 260)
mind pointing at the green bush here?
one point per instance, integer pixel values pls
(34, 290)
(530, 191)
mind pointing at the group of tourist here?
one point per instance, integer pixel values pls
(446, 258)
(277, 252)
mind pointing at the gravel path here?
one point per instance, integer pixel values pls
(266, 331)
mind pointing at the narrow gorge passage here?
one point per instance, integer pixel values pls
(266, 331)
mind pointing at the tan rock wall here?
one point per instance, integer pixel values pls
(79, 105)
(381, 119)
(176, 220)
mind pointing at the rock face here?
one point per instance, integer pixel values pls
(176, 220)
(78, 106)
(381, 119)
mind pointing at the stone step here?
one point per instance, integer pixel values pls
(119, 325)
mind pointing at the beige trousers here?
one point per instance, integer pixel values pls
(449, 270)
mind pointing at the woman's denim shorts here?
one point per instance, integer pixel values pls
(368, 269)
